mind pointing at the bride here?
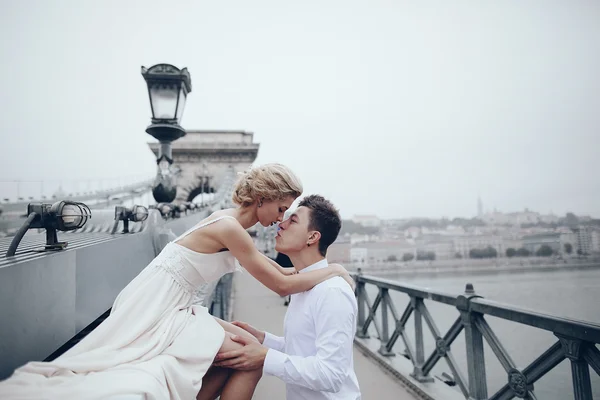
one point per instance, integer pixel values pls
(156, 344)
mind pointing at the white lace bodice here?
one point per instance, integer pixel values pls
(192, 269)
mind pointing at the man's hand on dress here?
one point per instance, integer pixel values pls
(259, 335)
(251, 356)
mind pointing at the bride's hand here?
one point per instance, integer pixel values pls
(289, 271)
(344, 274)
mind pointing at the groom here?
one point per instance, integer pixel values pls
(314, 358)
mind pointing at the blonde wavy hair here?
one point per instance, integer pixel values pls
(269, 182)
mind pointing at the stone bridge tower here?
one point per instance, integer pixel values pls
(205, 157)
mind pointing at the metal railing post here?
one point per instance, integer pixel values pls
(419, 360)
(574, 350)
(474, 345)
(360, 293)
(385, 335)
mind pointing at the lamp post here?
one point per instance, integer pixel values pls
(168, 87)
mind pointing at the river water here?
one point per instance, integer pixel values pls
(569, 294)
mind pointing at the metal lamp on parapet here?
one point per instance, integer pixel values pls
(168, 87)
(125, 214)
(166, 210)
(60, 216)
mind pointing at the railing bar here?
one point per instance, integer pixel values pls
(368, 303)
(407, 313)
(413, 291)
(393, 339)
(429, 320)
(453, 332)
(372, 310)
(531, 395)
(544, 363)
(495, 344)
(567, 327)
(432, 360)
(592, 356)
(391, 306)
(409, 348)
(505, 393)
(458, 376)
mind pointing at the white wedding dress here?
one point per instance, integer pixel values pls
(154, 345)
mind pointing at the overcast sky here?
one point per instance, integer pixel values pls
(392, 108)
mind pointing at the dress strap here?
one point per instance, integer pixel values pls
(201, 225)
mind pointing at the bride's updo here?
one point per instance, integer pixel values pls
(269, 182)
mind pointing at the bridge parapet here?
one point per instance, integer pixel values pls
(48, 299)
(575, 340)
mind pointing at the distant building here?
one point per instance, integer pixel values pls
(441, 245)
(464, 244)
(534, 242)
(596, 241)
(412, 232)
(514, 218)
(583, 236)
(568, 236)
(549, 219)
(339, 252)
(370, 221)
(359, 256)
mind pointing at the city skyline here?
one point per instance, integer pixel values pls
(403, 109)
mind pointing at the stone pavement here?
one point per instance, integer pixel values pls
(257, 305)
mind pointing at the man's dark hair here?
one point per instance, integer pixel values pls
(323, 218)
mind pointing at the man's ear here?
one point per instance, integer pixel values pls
(313, 237)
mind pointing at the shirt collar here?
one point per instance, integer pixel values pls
(318, 265)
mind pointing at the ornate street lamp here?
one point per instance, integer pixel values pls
(168, 87)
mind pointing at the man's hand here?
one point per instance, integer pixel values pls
(259, 335)
(251, 356)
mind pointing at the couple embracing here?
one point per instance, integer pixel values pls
(157, 344)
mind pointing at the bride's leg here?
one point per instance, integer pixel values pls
(241, 384)
(236, 330)
(213, 382)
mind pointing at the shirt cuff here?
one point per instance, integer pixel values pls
(274, 363)
(270, 341)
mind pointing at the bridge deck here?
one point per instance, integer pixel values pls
(262, 308)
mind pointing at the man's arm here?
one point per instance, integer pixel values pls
(326, 371)
(274, 342)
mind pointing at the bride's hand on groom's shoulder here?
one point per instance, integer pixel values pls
(344, 274)
(259, 335)
(289, 271)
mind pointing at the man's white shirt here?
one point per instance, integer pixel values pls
(314, 358)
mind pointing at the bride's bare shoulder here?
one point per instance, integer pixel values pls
(227, 222)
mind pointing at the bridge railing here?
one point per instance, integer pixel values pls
(576, 340)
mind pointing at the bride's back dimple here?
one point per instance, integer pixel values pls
(192, 269)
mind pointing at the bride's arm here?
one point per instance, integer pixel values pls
(285, 271)
(240, 244)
